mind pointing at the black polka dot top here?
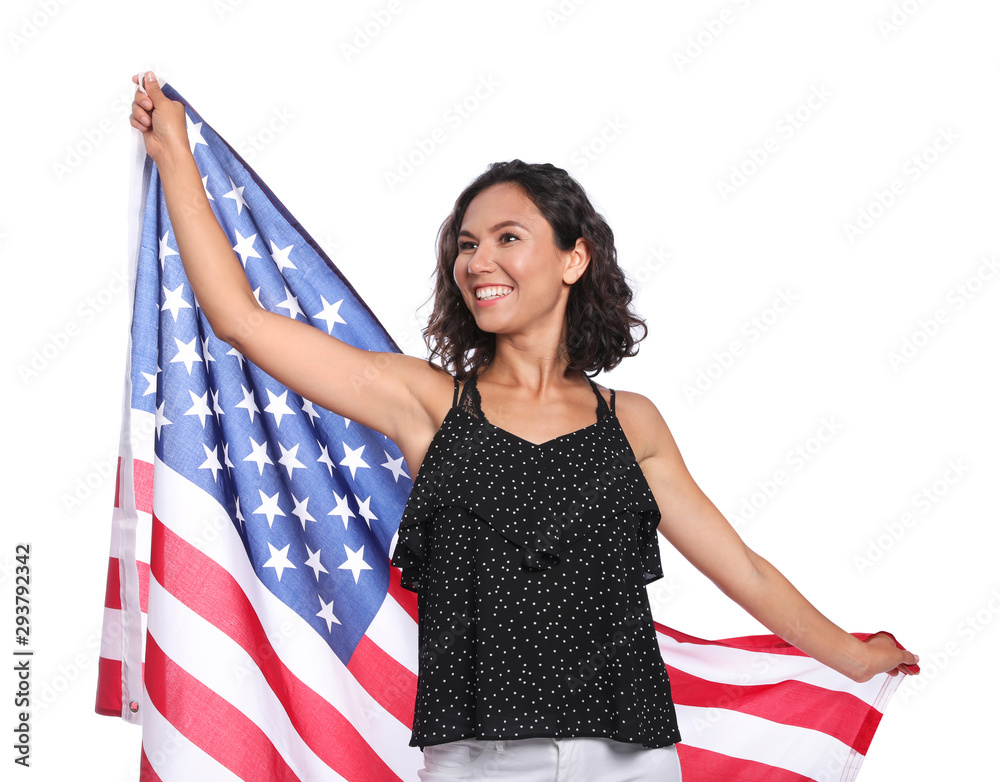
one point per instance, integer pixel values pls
(530, 564)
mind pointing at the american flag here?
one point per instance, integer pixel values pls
(253, 624)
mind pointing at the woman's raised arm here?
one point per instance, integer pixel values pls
(388, 392)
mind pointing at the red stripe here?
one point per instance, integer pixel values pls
(210, 591)
(406, 599)
(210, 722)
(109, 687)
(113, 586)
(146, 773)
(142, 484)
(771, 644)
(393, 685)
(699, 763)
(837, 714)
(867, 730)
(142, 475)
(113, 589)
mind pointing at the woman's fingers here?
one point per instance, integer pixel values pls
(141, 106)
(905, 661)
(140, 117)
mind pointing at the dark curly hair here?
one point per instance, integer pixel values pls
(599, 318)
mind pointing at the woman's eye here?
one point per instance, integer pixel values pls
(466, 245)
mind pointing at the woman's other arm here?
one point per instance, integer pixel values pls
(699, 531)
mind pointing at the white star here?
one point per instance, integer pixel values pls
(237, 195)
(235, 352)
(279, 559)
(288, 458)
(256, 295)
(277, 406)
(365, 511)
(326, 612)
(194, 133)
(309, 410)
(225, 457)
(151, 379)
(352, 458)
(199, 407)
(216, 406)
(324, 456)
(280, 257)
(269, 507)
(248, 403)
(330, 314)
(186, 353)
(355, 562)
(301, 511)
(342, 509)
(211, 462)
(173, 300)
(204, 184)
(394, 465)
(165, 249)
(161, 419)
(314, 562)
(204, 350)
(259, 455)
(244, 247)
(239, 513)
(291, 303)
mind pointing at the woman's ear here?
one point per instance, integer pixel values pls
(577, 261)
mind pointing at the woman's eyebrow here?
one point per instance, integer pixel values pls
(497, 227)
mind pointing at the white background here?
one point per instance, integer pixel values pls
(651, 107)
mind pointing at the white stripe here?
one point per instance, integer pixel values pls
(173, 757)
(801, 750)
(889, 686)
(747, 668)
(196, 517)
(395, 632)
(215, 660)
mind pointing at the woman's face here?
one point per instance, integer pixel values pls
(506, 243)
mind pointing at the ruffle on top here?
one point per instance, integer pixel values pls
(621, 490)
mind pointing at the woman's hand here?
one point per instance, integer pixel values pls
(160, 119)
(885, 655)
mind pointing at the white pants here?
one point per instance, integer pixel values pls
(549, 760)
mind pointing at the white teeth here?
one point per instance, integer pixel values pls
(492, 292)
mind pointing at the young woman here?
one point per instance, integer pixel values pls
(531, 528)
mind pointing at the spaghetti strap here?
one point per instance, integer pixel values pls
(602, 406)
(454, 399)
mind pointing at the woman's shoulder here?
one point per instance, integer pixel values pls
(628, 401)
(638, 416)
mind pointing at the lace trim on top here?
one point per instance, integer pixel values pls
(471, 402)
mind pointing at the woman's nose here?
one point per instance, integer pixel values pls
(481, 261)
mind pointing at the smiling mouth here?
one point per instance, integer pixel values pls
(492, 292)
